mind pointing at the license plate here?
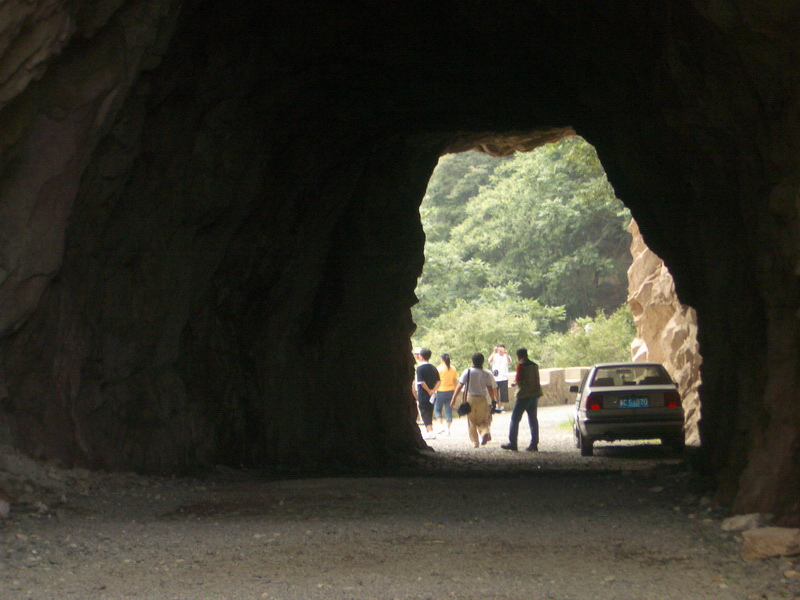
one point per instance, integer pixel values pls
(635, 402)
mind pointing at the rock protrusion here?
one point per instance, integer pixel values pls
(666, 330)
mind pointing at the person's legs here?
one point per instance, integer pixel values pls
(473, 430)
(448, 411)
(502, 388)
(533, 421)
(437, 409)
(520, 406)
(482, 418)
(426, 412)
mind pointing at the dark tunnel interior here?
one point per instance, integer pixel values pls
(207, 209)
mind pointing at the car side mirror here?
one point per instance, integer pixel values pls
(573, 389)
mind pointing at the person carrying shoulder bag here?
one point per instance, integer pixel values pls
(480, 389)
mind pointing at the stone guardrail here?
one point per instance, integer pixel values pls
(555, 385)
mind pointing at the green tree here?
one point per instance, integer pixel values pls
(457, 179)
(447, 279)
(549, 220)
(590, 340)
(479, 325)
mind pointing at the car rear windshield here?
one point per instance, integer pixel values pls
(631, 375)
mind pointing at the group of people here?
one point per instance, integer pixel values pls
(439, 390)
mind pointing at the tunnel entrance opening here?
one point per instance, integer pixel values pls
(507, 238)
(521, 247)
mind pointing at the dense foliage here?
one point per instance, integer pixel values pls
(590, 340)
(472, 326)
(525, 251)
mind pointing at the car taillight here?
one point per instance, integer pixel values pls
(672, 399)
(594, 401)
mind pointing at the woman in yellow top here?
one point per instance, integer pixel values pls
(448, 377)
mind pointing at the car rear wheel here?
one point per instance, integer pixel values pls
(577, 436)
(586, 445)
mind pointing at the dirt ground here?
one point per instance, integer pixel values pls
(629, 523)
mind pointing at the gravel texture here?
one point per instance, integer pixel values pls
(630, 523)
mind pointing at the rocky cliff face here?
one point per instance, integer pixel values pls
(666, 330)
(203, 204)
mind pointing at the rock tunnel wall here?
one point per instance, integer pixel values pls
(203, 205)
(207, 267)
(666, 330)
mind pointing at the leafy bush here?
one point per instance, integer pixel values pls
(590, 340)
(479, 325)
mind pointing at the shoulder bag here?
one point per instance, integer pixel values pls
(464, 408)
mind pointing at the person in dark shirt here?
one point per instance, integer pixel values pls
(529, 390)
(427, 384)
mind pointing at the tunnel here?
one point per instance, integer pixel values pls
(209, 226)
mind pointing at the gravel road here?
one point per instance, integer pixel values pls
(628, 524)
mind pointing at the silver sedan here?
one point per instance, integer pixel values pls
(627, 401)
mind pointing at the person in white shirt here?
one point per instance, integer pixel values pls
(481, 389)
(500, 362)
